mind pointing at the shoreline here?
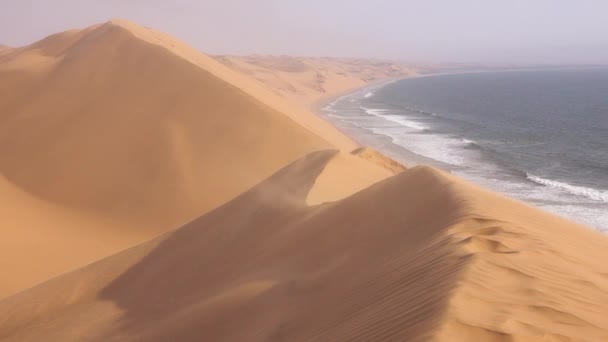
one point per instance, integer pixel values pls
(317, 106)
(386, 145)
(403, 155)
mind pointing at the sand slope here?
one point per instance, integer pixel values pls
(419, 256)
(309, 80)
(117, 133)
(115, 113)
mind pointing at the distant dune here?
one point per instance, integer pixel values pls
(4, 49)
(154, 194)
(308, 80)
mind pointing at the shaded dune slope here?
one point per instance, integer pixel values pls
(419, 256)
(119, 124)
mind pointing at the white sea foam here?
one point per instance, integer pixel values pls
(330, 106)
(406, 134)
(374, 111)
(436, 146)
(398, 119)
(368, 94)
(412, 132)
(594, 194)
(405, 122)
(439, 147)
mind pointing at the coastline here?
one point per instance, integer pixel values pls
(317, 106)
(389, 149)
(537, 192)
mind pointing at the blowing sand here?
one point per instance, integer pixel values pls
(115, 134)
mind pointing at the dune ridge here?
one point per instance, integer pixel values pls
(378, 158)
(266, 266)
(128, 133)
(303, 117)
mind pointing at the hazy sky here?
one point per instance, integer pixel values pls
(520, 31)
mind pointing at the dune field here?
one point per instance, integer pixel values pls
(307, 81)
(149, 192)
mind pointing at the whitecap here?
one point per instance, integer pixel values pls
(398, 119)
(593, 194)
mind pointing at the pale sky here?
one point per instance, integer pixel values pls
(491, 31)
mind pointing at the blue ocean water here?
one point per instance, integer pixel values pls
(540, 136)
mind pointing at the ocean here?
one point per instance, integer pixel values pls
(540, 136)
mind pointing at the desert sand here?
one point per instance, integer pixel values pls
(308, 81)
(115, 134)
(4, 50)
(152, 193)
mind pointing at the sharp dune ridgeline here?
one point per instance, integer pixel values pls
(149, 192)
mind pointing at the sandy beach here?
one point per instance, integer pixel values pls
(149, 192)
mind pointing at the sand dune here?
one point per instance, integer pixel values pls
(118, 133)
(419, 256)
(307, 81)
(115, 134)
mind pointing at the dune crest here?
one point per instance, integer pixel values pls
(378, 158)
(260, 92)
(419, 256)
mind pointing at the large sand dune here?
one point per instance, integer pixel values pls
(116, 133)
(418, 256)
(112, 136)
